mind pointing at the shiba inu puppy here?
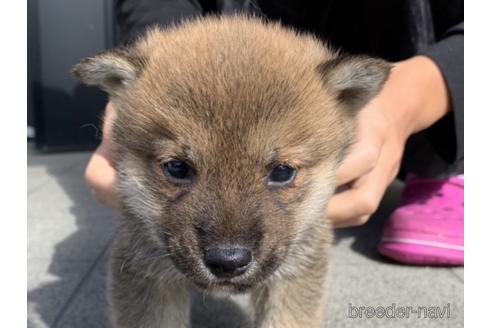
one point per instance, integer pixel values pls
(228, 132)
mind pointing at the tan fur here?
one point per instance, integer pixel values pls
(232, 96)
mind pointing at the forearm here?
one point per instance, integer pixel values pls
(446, 136)
(415, 95)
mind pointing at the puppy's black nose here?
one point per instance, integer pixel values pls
(227, 262)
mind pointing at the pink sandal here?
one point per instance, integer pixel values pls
(427, 227)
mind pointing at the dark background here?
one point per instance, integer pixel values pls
(64, 113)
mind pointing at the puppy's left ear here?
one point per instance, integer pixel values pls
(112, 70)
(354, 80)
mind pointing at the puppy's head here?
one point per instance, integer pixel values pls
(229, 132)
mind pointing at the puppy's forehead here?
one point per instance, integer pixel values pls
(222, 65)
(215, 83)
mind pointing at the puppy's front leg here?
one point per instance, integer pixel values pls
(144, 303)
(296, 302)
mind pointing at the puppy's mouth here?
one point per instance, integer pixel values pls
(204, 279)
(239, 281)
(228, 272)
(254, 275)
(225, 287)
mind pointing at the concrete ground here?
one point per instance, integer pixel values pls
(69, 237)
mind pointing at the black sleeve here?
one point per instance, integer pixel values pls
(135, 16)
(448, 54)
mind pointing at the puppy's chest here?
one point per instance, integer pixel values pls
(230, 310)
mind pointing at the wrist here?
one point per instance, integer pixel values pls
(419, 92)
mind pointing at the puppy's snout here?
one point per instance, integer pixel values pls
(227, 262)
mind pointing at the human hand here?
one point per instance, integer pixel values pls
(413, 98)
(100, 173)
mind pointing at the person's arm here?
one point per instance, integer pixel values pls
(448, 55)
(413, 98)
(419, 94)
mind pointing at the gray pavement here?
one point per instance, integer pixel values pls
(69, 237)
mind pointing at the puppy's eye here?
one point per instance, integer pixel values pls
(281, 175)
(177, 170)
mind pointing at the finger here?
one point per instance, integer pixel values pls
(360, 161)
(355, 222)
(101, 176)
(351, 207)
(354, 206)
(364, 153)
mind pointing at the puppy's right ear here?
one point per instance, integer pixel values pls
(112, 70)
(354, 80)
